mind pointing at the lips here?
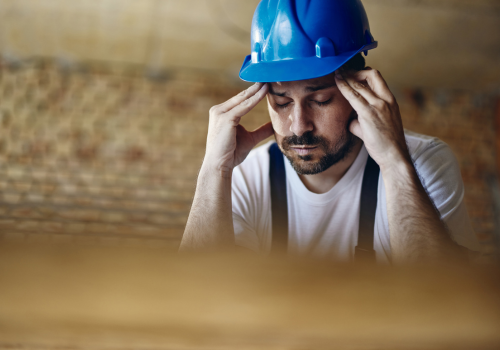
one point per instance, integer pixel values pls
(302, 151)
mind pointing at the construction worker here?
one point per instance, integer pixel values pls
(354, 184)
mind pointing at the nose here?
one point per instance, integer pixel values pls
(301, 122)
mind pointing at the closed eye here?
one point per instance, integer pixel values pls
(283, 105)
(323, 103)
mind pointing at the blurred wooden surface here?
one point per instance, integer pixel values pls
(86, 297)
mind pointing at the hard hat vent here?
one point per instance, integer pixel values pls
(325, 48)
(256, 53)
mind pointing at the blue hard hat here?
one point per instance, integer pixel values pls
(305, 39)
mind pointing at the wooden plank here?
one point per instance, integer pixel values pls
(56, 296)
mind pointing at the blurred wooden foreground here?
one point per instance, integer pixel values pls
(84, 297)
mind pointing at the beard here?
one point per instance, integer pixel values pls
(333, 152)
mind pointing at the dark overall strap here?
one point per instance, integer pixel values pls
(279, 204)
(364, 250)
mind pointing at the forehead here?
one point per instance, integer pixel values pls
(308, 85)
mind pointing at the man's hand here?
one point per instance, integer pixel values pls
(379, 122)
(417, 233)
(210, 222)
(228, 142)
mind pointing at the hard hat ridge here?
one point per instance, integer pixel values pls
(287, 39)
(304, 39)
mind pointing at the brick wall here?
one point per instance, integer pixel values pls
(105, 154)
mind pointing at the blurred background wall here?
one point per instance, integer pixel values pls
(104, 105)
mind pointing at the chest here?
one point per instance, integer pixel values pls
(326, 227)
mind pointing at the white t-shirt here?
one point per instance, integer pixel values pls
(326, 225)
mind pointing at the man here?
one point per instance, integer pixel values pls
(330, 116)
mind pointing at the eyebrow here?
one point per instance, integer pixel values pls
(320, 87)
(272, 92)
(308, 89)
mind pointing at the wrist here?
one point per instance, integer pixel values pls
(399, 169)
(213, 182)
(215, 171)
(397, 162)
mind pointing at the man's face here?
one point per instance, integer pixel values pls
(311, 123)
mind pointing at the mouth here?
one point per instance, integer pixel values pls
(303, 150)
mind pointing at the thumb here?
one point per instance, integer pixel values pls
(355, 128)
(262, 132)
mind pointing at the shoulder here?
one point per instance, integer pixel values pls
(429, 153)
(257, 162)
(419, 144)
(437, 168)
(253, 172)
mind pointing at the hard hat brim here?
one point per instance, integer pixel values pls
(296, 69)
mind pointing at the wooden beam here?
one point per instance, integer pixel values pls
(95, 297)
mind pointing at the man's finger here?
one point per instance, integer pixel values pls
(352, 96)
(356, 129)
(246, 106)
(262, 132)
(363, 89)
(242, 96)
(376, 83)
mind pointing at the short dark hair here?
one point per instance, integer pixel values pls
(357, 62)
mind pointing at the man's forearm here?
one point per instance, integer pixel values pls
(210, 223)
(417, 233)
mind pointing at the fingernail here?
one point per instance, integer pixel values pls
(338, 75)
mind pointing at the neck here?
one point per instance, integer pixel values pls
(324, 181)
